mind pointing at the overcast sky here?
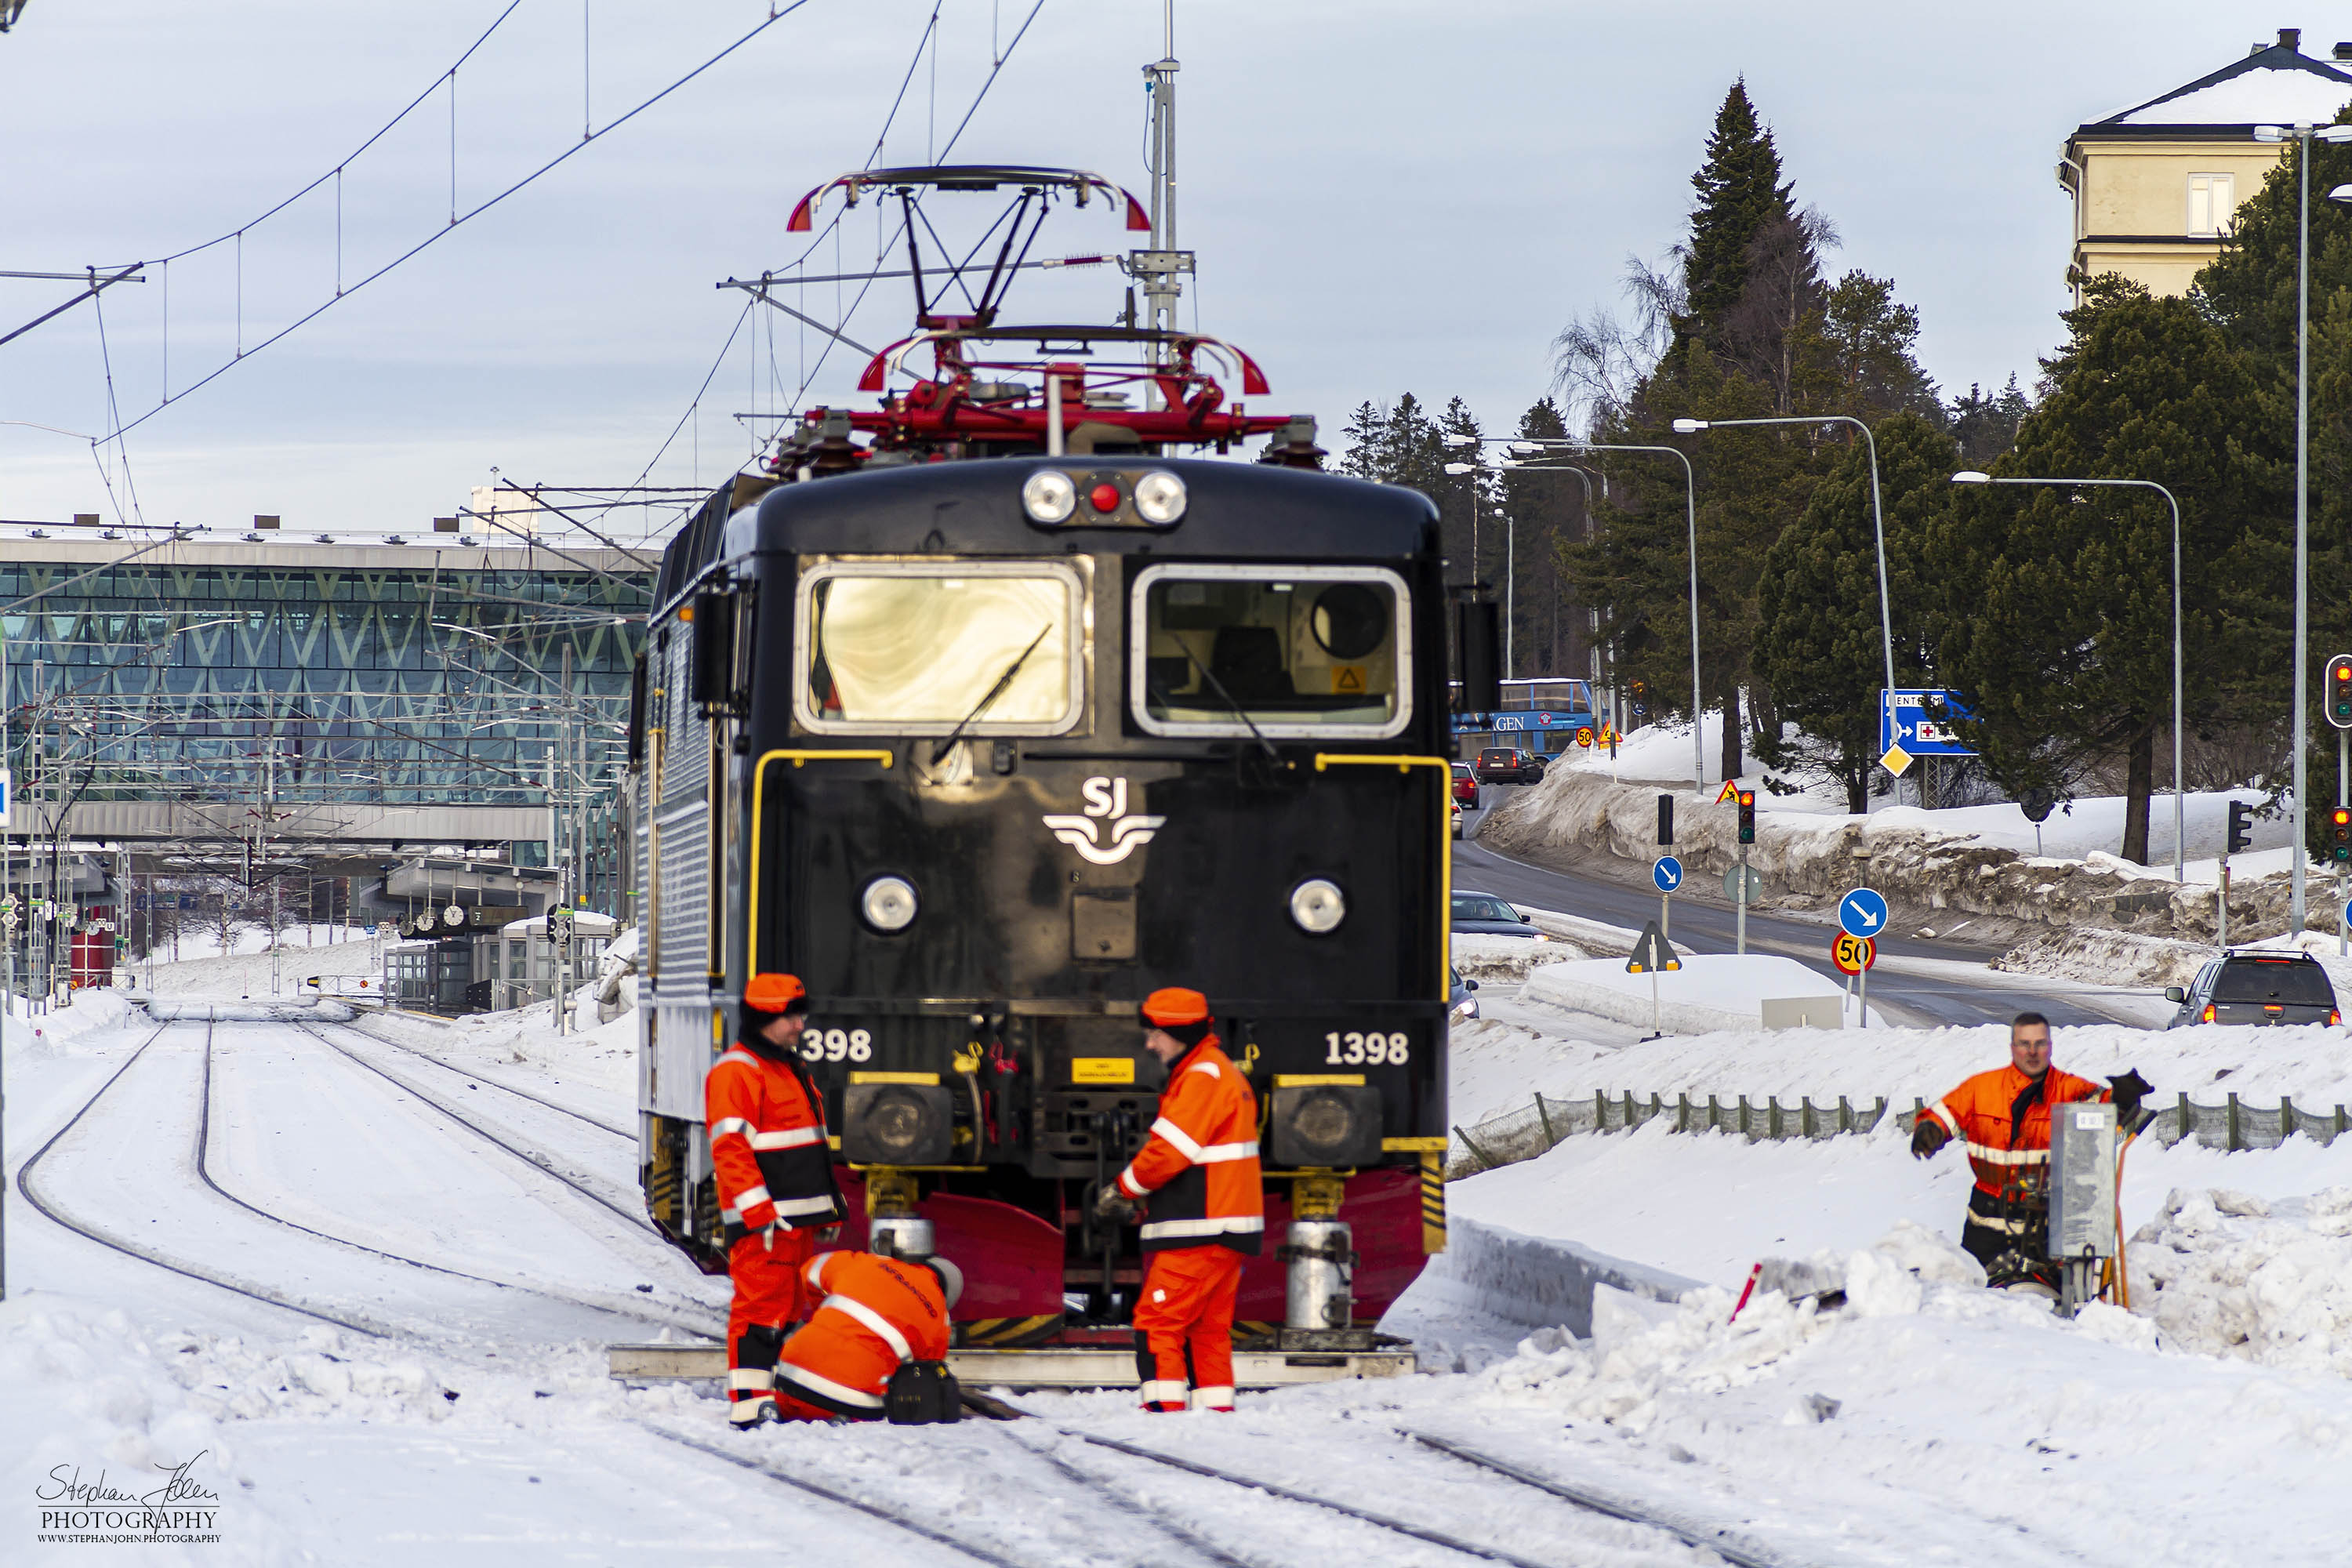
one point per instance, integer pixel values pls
(1386, 197)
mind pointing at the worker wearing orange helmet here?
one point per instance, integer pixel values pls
(776, 1190)
(2002, 1117)
(1200, 1169)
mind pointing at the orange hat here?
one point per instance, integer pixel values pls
(1176, 1004)
(776, 993)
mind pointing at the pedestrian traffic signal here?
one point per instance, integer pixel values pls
(1747, 798)
(2339, 691)
(2241, 825)
(2339, 836)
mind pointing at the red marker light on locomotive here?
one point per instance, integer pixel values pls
(1104, 496)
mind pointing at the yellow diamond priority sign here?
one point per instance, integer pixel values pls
(1896, 761)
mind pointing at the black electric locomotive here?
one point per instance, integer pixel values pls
(993, 721)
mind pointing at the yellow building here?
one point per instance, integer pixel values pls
(2153, 185)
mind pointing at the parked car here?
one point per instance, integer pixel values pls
(2250, 988)
(1465, 786)
(1460, 1005)
(1506, 764)
(1482, 914)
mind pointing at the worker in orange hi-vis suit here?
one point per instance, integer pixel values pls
(2003, 1119)
(873, 1315)
(1200, 1170)
(777, 1196)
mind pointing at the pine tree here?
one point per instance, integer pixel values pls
(1985, 423)
(2056, 606)
(1821, 643)
(1548, 506)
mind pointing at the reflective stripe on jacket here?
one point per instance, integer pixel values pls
(876, 1314)
(1199, 1166)
(767, 1145)
(2004, 1122)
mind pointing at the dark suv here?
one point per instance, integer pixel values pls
(1506, 764)
(2251, 988)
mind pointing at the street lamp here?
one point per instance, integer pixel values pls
(1690, 507)
(2179, 834)
(1877, 520)
(1510, 558)
(2305, 133)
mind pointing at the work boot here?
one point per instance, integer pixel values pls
(746, 1414)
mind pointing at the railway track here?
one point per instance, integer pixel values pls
(579, 1181)
(1716, 1542)
(627, 1133)
(617, 1308)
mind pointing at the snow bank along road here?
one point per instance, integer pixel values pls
(369, 1285)
(1915, 982)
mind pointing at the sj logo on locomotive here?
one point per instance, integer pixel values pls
(1106, 835)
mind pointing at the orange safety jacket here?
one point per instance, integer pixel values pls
(1200, 1165)
(874, 1315)
(768, 1144)
(2003, 1118)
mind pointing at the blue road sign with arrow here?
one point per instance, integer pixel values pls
(1862, 913)
(1667, 873)
(1920, 722)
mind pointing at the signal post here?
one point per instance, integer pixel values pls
(2339, 821)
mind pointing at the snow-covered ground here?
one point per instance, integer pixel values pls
(2091, 828)
(447, 1402)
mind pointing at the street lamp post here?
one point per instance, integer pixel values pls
(2179, 834)
(1877, 520)
(1690, 508)
(2303, 134)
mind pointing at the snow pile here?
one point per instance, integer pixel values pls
(1924, 861)
(1629, 1366)
(2226, 1273)
(1485, 958)
(330, 950)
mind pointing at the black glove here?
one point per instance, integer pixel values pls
(2128, 1090)
(1927, 1137)
(1113, 1207)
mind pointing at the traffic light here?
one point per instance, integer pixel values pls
(2339, 691)
(1747, 798)
(1665, 821)
(2339, 836)
(2241, 825)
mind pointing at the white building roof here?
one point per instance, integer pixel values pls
(2275, 86)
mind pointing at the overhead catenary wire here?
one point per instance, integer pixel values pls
(458, 219)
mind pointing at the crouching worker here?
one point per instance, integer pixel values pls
(876, 1343)
(1200, 1169)
(776, 1191)
(2003, 1119)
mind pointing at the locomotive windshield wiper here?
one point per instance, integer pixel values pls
(940, 752)
(1237, 710)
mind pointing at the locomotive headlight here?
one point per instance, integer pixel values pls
(1049, 497)
(888, 903)
(1159, 496)
(1319, 906)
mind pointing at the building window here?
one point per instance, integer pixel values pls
(2211, 199)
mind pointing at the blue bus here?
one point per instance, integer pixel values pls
(1539, 713)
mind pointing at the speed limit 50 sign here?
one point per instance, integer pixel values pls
(1852, 954)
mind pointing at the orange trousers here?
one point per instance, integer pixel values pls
(1184, 1321)
(768, 1291)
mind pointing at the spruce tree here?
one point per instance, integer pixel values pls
(1740, 194)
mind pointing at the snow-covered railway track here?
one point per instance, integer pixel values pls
(470, 1076)
(602, 1194)
(45, 1203)
(975, 1550)
(633, 1312)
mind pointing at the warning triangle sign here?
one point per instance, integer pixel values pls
(1731, 791)
(1652, 951)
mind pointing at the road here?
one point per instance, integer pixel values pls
(1915, 982)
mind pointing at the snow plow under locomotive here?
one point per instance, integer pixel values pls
(990, 723)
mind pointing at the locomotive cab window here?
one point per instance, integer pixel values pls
(920, 647)
(1321, 651)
